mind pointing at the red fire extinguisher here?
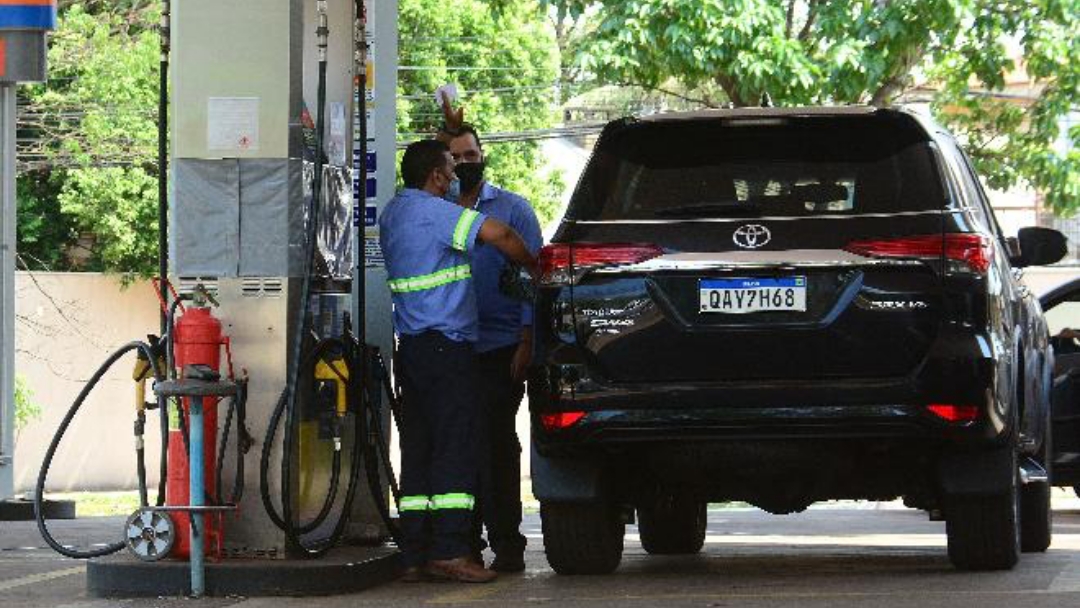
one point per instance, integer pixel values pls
(199, 339)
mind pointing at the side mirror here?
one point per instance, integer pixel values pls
(1040, 247)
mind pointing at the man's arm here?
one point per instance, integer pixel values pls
(502, 237)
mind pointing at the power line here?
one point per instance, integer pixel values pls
(463, 68)
(582, 130)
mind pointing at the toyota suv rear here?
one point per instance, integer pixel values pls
(783, 306)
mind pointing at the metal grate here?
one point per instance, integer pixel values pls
(261, 288)
(186, 285)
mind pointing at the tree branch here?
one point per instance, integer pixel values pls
(56, 305)
(790, 19)
(894, 84)
(811, 13)
(705, 101)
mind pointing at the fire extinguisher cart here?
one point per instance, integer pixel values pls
(197, 391)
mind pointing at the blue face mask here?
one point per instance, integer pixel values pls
(453, 193)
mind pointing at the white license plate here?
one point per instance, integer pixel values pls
(737, 296)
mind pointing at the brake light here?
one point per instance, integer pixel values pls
(973, 250)
(560, 420)
(561, 266)
(954, 413)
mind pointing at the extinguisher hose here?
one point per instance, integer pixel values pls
(39, 490)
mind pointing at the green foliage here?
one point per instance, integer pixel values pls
(512, 65)
(44, 231)
(26, 410)
(98, 130)
(864, 51)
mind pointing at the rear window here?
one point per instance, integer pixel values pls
(774, 167)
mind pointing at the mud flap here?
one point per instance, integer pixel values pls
(559, 479)
(982, 473)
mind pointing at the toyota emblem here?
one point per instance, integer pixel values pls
(751, 236)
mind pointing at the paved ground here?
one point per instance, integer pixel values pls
(861, 556)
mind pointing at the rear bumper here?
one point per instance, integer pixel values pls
(961, 369)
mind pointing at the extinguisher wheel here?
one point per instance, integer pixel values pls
(150, 535)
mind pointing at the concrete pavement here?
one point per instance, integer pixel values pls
(856, 555)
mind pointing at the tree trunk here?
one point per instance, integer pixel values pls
(728, 84)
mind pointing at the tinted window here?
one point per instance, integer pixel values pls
(777, 167)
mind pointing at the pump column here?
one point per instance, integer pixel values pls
(22, 59)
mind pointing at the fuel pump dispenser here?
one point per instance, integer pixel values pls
(272, 249)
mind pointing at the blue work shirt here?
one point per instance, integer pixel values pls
(427, 244)
(501, 318)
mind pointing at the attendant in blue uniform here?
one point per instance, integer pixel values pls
(428, 244)
(504, 350)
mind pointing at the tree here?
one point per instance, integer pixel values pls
(26, 409)
(507, 64)
(94, 133)
(865, 51)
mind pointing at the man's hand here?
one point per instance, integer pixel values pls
(509, 243)
(522, 356)
(1068, 334)
(452, 118)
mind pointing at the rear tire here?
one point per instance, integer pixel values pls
(582, 538)
(1036, 519)
(984, 531)
(1036, 513)
(673, 525)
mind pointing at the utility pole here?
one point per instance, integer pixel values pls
(22, 59)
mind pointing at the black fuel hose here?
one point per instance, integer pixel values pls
(237, 409)
(377, 450)
(39, 490)
(318, 352)
(287, 404)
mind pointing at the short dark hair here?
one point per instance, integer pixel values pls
(420, 159)
(468, 129)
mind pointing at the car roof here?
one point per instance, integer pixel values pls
(926, 123)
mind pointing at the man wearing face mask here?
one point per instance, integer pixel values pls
(428, 244)
(504, 348)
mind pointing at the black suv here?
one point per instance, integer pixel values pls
(783, 306)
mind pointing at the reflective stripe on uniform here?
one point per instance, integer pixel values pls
(461, 231)
(414, 503)
(430, 281)
(452, 501)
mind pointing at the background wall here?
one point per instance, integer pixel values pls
(68, 323)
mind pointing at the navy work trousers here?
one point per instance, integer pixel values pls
(500, 478)
(439, 466)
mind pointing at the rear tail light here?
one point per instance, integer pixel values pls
(954, 413)
(560, 420)
(563, 263)
(972, 250)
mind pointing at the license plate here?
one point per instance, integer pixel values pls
(736, 296)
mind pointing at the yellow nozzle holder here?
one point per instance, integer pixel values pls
(141, 372)
(338, 372)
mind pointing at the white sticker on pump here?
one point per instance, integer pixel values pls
(232, 123)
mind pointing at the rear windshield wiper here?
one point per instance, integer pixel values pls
(709, 209)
